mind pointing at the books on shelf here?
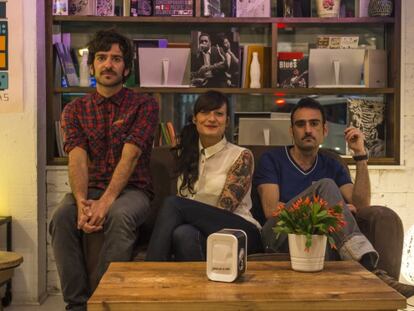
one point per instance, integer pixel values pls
(171, 133)
(59, 139)
(212, 8)
(252, 8)
(82, 7)
(66, 62)
(337, 42)
(105, 7)
(165, 135)
(361, 8)
(215, 59)
(126, 7)
(60, 7)
(173, 7)
(292, 70)
(179, 45)
(141, 8)
(367, 114)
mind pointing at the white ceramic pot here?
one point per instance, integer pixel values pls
(307, 261)
(328, 8)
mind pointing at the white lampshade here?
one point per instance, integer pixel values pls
(407, 265)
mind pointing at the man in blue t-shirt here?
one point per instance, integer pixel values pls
(285, 174)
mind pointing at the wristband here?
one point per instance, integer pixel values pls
(360, 157)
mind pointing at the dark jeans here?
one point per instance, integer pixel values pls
(183, 225)
(120, 228)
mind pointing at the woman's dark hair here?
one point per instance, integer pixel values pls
(103, 40)
(186, 151)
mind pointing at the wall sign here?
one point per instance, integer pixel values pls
(11, 57)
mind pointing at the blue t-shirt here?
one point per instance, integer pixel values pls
(276, 166)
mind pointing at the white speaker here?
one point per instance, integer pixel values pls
(226, 255)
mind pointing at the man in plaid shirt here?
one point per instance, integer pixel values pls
(108, 137)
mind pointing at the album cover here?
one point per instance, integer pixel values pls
(82, 7)
(292, 70)
(253, 8)
(215, 59)
(105, 7)
(367, 114)
(173, 7)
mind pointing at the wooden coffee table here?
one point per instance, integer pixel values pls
(265, 286)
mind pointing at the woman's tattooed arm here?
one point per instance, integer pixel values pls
(238, 182)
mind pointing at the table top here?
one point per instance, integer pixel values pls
(342, 285)
(9, 260)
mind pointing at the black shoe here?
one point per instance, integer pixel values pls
(76, 307)
(406, 290)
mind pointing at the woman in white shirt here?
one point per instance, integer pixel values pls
(214, 187)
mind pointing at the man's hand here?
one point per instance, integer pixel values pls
(355, 139)
(203, 69)
(84, 215)
(352, 208)
(96, 211)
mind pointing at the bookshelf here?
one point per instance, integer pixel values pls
(263, 30)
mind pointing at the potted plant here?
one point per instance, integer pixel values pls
(309, 223)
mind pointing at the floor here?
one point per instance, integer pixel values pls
(52, 303)
(55, 303)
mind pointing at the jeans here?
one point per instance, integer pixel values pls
(183, 225)
(350, 242)
(120, 230)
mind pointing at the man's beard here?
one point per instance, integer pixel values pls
(111, 83)
(307, 147)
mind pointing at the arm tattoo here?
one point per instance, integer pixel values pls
(238, 182)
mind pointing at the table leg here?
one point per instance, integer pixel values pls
(6, 300)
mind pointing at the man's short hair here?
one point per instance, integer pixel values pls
(204, 34)
(308, 102)
(103, 40)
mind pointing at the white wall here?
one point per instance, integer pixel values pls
(22, 184)
(395, 188)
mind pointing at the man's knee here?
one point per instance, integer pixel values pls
(65, 214)
(120, 218)
(130, 210)
(326, 183)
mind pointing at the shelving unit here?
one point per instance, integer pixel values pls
(391, 36)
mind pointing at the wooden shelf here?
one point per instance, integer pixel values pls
(265, 91)
(58, 161)
(388, 28)
(223, 20)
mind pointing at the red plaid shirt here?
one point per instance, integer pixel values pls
(102, 126)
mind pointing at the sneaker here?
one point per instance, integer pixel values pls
(406, 290)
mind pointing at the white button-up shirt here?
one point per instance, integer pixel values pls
(214, 165)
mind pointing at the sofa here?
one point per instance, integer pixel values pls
(380, 224)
